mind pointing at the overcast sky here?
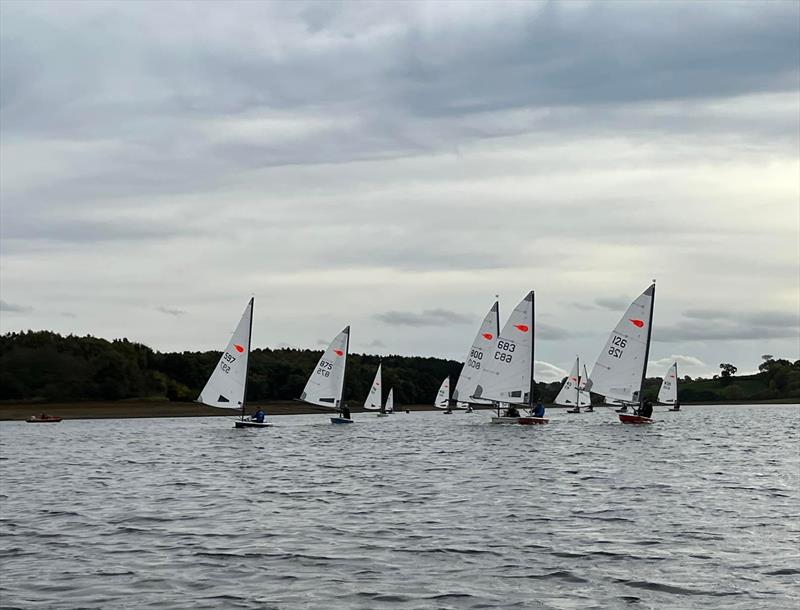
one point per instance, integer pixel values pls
(393, 166)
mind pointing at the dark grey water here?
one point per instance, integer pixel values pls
(411, 511)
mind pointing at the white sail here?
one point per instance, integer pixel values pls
(669, 387)
(506, 374)
(584, 379)
(226, 386)
(390, 401)
(620, 366)
(479, 351)
(572, 393)
(374, 398)
(324, 387)
(443, 395)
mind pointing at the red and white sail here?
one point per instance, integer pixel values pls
(443, 395)
(668, 393)
(226, 386)
(479, 351)
(326, 384)
(375, 398)
(572, 393)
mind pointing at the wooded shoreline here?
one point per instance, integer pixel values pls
(143, 408)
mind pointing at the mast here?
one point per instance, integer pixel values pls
(249, 342)
(652, 291)
(578, 383)
(533, 342)
(344, 368)
(497, 334)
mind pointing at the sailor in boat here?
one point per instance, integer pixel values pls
(258, 416)
(590, 409)
(382, 409)
(539, 410)
(345, 411)
(469, 409)
(676, 405)
(623, 409)
(448, 409)
(511, 411)
(646, 410)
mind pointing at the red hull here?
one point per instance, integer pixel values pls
(634, 419)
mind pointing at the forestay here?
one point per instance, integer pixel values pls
(374, 397)
(669, 387)
(390, 401)
(226, 386)
(324, 387)
(620, 367)
(506, 376)
(572, 393)
(443, 396)
(478, 352)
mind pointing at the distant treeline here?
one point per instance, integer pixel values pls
(45, 366)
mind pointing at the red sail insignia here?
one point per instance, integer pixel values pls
(488, 336)
(338, 352)
(521, 327)
(637, 323)
(239, 348)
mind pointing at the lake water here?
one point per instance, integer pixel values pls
(415, 510)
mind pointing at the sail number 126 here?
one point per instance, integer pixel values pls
(617, 346)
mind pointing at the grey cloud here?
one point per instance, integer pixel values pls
(14, 308)
(171, 311)
(376, 343)
(730, 325)
(547, 332)
(613, 303)
(706, 314)
(429, 317)
(67, 314)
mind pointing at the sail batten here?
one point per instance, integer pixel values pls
(326, 384)
(227, 386)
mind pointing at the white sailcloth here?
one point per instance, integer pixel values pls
(225, 388)
(374, 398)
(390, 401)
(324, 387)
(506, 374)
(479, 351)
(620, 366)
(669, 387)
(443, 395)
(572, 392)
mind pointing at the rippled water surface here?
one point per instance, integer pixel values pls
(415, 510)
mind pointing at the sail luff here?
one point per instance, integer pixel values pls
(647, 343)
(249, 347)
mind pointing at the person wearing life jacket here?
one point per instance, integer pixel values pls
(512, 411)
(258, 416)
(676, 406)
(346, 412)
(646, 410)
(539, 410)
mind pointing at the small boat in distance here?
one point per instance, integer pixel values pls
(226, 388)
(374, 401)
(43, 418)
(620, 369)
(507, 374)
(325, 386)
(572, 393)
(668, 394)
(443, 397)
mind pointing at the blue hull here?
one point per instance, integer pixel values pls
(341, 420)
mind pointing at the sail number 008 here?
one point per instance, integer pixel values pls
(620, 343)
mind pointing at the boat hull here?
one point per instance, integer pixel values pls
(523, 421)
(341, 420)
(48, 420)
(634, 419)
(382, 415)
(251, 424)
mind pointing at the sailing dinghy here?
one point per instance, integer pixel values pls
(389, 407)
(668, 394)
(573, 393)
(620, 369)
(227, 386)
(325, 387)
(443, 397)
(374, 400)
(479, 351)
(507, 374)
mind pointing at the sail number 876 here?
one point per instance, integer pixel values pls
(617, 346)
